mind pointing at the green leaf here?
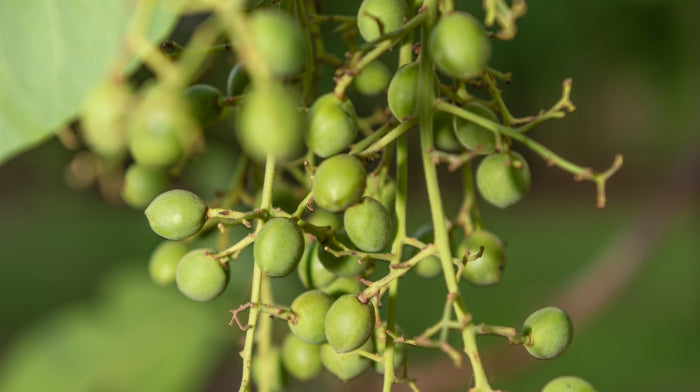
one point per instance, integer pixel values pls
(52, 54)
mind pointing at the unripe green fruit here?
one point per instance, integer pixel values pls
(444, 132)
(550, 330)
(345, 365)
(164, 260)
(201, 277)
(326, 218)
(568, 384)
(349, 323)
(310, 309)
(380, 338)
(279, 40)
(503, 178)
(346, 266)
(302, 360)
(237, 80)
(142, 185)
(487, 269)
(269, 121)
(203, 101)
(267, 369)
(342, 286)
(103, 119)
(156, 148)
(283, 197)
(369, 225)
(403, 91)
(373, 13)
(383, 189)
(373, 79)
(339, 182)
(431, 266)
(176, 214)
(311, 271)
(279, 247)
(473, 136)
(332, 125)
(459, 45)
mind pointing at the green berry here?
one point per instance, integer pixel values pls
(459, 45)
(342, 286)
(267, 369)
(279, 247)
(473, 136)
(302, 360)
(380, 338)
(310, 309)
(176, 214)
(349, 323)
(237, 80)
(345, 266)
(103, 119)
(389, 14)
(279, 40)
(369, 225)
(142, 185)
(269, 121)
(373, 79)
(332, 125)
(382, 188)
(430, 267)
(568, 384)
(203, 101)
(403, 91)
(444, 132)
(156, 147)
(339, 182)
(164, 260)
(200, 276)
(487, 269)
(550, 331)
(345, 365)
(325, 218)
(503, 178)
(311, 271)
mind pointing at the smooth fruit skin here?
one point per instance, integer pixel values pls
(487, 269)
(279, 247)
(345, 266)
(339, 182)
(503, 178)
(302, 360)
(164, 260)
(550, 330)
(237, 80)
(269, 121)
(342, 286)
(279, 40)
(103, 119)
(568, 384)
(403, 91)
(310, 309)
(176, 214)
(459, 45)
(311, 271)
(444, 132)
(203, 101)
(142, 185)
(201, 277)
(473, 136)
(369, 225)
(326, 218)
(345, 365)
(332, 125)
(390, 13)
(349, 323)
(373, 79)
(267, 369)
(431, 266)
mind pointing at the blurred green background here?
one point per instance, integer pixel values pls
(79, 313)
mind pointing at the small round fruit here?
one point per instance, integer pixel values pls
(269, 121)
(302, 360)
(550, 330)
(339, 182)
(403, 91)
(325, 218)
(444, 132)
(349, 323)
(373, 79)
(164, 260)
(310, 309)
(311, 271)
(142, 185)
(267, 370)
(279, 40)
(428, 268)
(346, 266)
(459, 45)
(156, 147)
(237, 80)
(176, 214)
(568, 384)
(369, 225)
(342, 286)
(503, 178)
(332, 125)
(389, 14)
(345, 365)
(383, 189)
(203, 101)
(487, 269)
(380, 338)
(201, 277)
(473, 136)
(103, 118)
(279, 247)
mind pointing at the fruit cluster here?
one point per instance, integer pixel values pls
(316, 178)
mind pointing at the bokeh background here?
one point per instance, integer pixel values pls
(80, 314)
